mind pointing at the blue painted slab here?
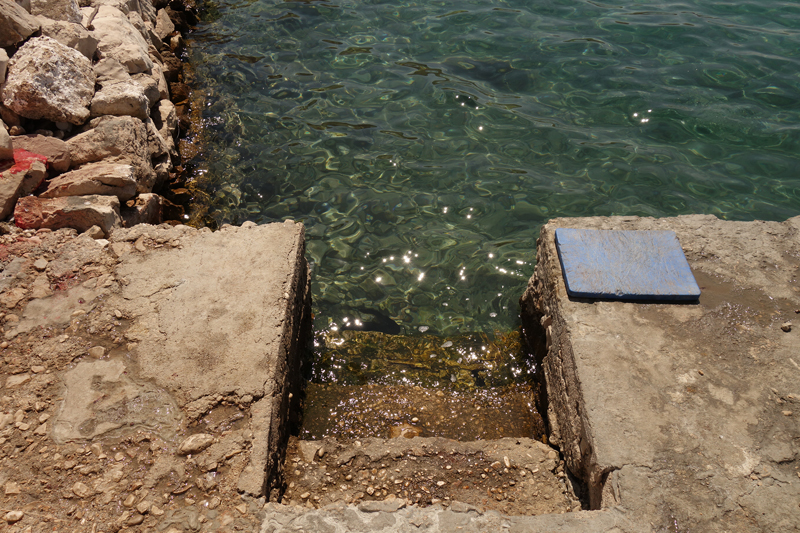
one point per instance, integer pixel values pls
(625, 265)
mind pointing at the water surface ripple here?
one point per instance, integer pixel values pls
(424, 143)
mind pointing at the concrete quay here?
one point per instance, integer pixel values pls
(686, 417)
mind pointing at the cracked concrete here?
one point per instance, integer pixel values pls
(685, 415)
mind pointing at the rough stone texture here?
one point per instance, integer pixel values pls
(220, 315)
(146, 209)
(149, 85)
(117, 139)
(6, 144)
(121, 98)
(55, 150)
(16, 24)
(10, 187)
(3, 65)
(165, 119)
(79, 212)
(70, 34)
(110, 70)
(66, 10)
(94, 178)
(394, 515)
(34, 177)
(678, 413)
(164, 26)
(120, 40)
(49, 80)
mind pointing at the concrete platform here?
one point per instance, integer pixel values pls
(685, 416)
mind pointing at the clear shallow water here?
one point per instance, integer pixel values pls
(424, 143)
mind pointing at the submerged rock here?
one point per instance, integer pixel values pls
(49, 80)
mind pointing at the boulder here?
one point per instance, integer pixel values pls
(145, 210)
(163, 87)
(155, 142)
(49, 80)
(71, 35)
(34, 177)
(16, 24)
(138, 22)
(66, 10)
(3, 65)
(119, 39)
(25, 4)
(166, 121)
(121, 98)
(149, 84)
(55, 150)
(117, 139)
(79, 212)
(110, 70)
(164, 26)
(10, 186)
(94, 178)
(6, 145)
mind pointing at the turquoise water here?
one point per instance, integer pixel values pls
(423, 144)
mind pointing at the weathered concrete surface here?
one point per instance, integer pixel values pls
(223, 315)
(393, 515)
(685, 415)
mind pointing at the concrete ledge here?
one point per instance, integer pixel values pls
(684, 414)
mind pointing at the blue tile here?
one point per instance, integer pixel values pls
(625, 265)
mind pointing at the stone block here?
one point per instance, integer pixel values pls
(55, 150)
(119, 39)
(16, 24)
(121, 98)
(94, 178)
(65, 10)
(79, 212)
(49, 80)
(71, 35)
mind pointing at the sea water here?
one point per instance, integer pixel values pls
(424, 143)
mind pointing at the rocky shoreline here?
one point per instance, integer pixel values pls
(92, 104)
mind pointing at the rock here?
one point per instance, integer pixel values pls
(16, 24)
(110, 70)
(95, 233)
(147, 209)
(163, 86)
(66, 10)
(71, 35)
(54, 150)
(79, 212)
(34, 177)
(172, 66)
(81, 490)
(164, 26)
(13, 516)
(10, 187)
(41, 430)
(97, 351)
(121, 98)
(3, 65)
(165, 119)
(6, 144)
(150, 87)
(16, 380)
(155, 142)
(117, 139)
(404, 430)
(119, 39)
(11, 488)
(786, 326)
(196, 443)
(49, 80)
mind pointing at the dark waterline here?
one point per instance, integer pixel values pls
(424, 143)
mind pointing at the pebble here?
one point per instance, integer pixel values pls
(135, 520)
(40, 264)
(129, 501)
(81, 490)
(155, 510)
(143, 506)
(13, 516)
(196, 443)
(786, 326)
(12, 488)
(787, 413)
(97, 352)
(242, 508)
(37, 369)
(321, 452)
(306, 495)
(506, 462)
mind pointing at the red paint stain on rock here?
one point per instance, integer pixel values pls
(23, 160)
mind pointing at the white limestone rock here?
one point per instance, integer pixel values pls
(49, 80)
(94, 178)
(149, 85)
(118, 139)
(121, 98)
(110, 70)
(164, 26)
(16, 24)
(70, 34)
(119, 39)
(165, 119)
(66, 10)
(3, 65)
